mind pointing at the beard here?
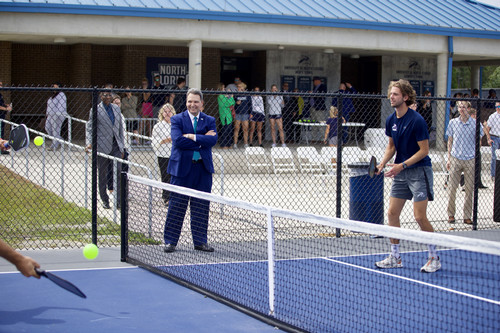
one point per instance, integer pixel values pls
(397, 104)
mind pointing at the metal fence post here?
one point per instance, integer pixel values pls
(95, 100)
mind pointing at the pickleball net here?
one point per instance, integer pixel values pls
(289, 269)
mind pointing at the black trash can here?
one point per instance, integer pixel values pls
(366, 194)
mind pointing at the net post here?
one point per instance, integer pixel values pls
(95, 101)
(340, 145)
(150, 206)
(124, 216)
(270, 259)
(477, 166)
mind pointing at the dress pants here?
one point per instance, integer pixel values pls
(103, 165)
(53, 126)
(456, 169)
(199, 179)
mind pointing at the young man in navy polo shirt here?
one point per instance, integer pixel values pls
(411, 170)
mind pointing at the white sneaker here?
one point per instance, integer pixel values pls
(283, 145)
(273, 145)
(432, 265)
(390, 262)
(235, 146)
(245, 145)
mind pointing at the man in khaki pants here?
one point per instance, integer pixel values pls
(461, 134)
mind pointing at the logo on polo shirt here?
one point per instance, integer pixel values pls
(394, 128)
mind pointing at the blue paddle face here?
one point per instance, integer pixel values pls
(61, 282)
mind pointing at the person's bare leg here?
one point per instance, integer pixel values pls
(236, 131)
(259, 132)
(393, 214)
(244, 125)
(273, 130)
(420, 212)
(280, 130)
(252, 130)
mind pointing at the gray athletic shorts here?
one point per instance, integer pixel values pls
(415, 183)
(333, 140)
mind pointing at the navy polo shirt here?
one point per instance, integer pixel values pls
(406, 132)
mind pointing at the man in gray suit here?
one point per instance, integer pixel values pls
(110, 141)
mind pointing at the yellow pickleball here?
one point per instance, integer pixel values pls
(90, 251)
(38, 141)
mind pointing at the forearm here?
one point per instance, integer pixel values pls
(9, 253)
(450, 145)
(487, 132)
(418, 156)
(389, 153)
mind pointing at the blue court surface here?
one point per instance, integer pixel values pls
(124, 299)
(351, 295)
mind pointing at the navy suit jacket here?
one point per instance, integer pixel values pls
(319, 102)
(182, 148)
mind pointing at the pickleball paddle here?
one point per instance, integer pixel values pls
(19, 138)
(61, 282)
(372, 168)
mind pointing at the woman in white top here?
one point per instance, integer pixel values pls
(162, 144)
(257, 116)
(275, 104)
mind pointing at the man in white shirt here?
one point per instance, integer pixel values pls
(492, 130)
(56, 114)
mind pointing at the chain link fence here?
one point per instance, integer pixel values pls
(280, 149)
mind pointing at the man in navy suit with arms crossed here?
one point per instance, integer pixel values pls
(193, 136)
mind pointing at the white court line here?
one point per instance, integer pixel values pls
(77, 269)
(417, 281)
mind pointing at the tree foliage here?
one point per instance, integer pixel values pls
(461, 77)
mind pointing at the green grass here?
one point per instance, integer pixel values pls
(32, 217)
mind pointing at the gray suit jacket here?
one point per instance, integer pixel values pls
(106, 130)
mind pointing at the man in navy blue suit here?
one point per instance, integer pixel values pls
(193, 136)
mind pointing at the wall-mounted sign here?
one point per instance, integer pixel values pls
(169, 69)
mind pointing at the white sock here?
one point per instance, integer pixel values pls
(432, 251)
(395, 250)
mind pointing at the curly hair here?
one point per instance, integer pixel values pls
(406, 90)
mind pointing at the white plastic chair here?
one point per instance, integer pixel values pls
(282, 160)
(309, 159)
(378, 152)
(351, 155)
(329, 158)
(439, 160)
(486, 157)
(256, 158)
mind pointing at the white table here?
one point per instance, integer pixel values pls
(304, 126)
(354, 127)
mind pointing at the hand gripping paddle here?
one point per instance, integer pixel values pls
(19, 138)
(372, 168)
(61, 282)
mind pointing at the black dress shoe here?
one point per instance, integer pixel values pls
(169, 248)
(482, 186)
(106, 206)
(204, 247)
(5, 152)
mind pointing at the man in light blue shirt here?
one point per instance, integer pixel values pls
(461, 134)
